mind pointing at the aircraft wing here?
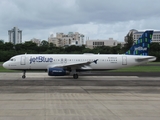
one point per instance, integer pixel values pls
(74, 65)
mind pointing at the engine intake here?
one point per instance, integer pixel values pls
(57, 72)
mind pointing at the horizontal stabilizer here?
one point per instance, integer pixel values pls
(147, 58)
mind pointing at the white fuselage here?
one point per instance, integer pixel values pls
(104, 61)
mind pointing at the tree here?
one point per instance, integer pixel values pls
(1, 45)
(8, 46)
(155, 47)
(44, 43)
(87, 50)
(43, 46)
(51, 46)
(19, 47)
(129, 42)
(29, 47)
(119, 49)
(72, 49)
(102, 50)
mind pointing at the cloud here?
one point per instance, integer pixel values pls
(96, 19)
(121, 10)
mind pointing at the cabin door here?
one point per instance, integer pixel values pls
(124, 60)
(23, 60)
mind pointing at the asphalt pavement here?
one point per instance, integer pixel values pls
(41, 97)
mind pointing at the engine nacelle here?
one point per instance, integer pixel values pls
(57, 72)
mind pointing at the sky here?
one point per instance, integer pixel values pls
(96, 19)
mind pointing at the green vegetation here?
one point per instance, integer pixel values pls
(139, 69)
(153, 63)
(129, 42)
(7, 50)
(6, 70)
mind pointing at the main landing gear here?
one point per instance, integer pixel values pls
(75, 76)
(74, 72)
(24, 74)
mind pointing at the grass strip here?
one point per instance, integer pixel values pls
(139, 69)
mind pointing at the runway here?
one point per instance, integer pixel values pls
(40, 97)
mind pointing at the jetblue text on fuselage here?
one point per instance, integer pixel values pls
(40, 59)
(140, 48)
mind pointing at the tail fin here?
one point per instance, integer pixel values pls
(142, 45)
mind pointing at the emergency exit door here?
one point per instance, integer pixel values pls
(124, 60)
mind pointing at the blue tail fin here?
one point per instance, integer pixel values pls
(142, 45)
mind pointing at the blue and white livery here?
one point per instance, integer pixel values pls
(65, 64)
(142, 45)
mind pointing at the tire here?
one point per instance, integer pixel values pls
(75, 76)
(23, 76)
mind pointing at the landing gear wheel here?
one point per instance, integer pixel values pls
(24, 74)
(75, 76)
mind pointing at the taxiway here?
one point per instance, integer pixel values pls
(40, 97)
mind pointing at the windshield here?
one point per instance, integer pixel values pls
(12, 59)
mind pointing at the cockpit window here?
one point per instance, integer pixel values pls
(12, 59)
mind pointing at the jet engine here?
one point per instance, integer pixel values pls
(57, 72)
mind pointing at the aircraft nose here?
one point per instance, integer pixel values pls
(5, 65)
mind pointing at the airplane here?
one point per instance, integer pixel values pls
(65, 64)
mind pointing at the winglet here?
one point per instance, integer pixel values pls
(142, 45)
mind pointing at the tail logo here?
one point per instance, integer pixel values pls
(142, 45)
(140, 48)
(95, 61)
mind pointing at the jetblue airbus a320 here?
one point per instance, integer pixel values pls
(65, 64)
